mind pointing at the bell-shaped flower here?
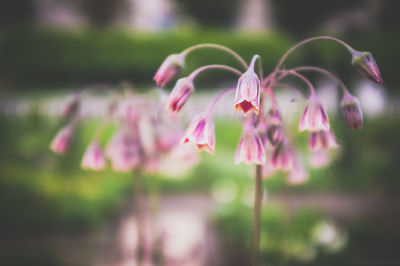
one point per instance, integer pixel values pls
(201, 132)
(352, 112)
(62, 140)
(248, 92)
(180, 94)
(282, 157)
(171, 66)
(124, 150)
(314, 117)
(72, 107)
(364, 62)
(319, 158)
(250, 149)
(275, 131)
(323, 139)
(93, 159)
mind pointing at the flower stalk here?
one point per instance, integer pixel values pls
(258, 198)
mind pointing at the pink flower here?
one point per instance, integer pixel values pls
(62, 140)
(314, 117)
(72, 107)
(201, 132)
(282, 157)
(352, 112)
(94, 158)
(275, 132)
(248, 92)
(250, 149)
(322, 139)
(364, 62)
(124, 150)
(319, 158)
(297, 175)
(180, 94)
(171, 66)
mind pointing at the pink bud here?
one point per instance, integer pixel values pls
(322, 139)
(201, 132)
(352, 112)
(364, 62)
(94, 158)
(248, 92)
(250, 149)
(171, 66)
(180, 94)
(62, 140)
(314, 117)
(282, 157)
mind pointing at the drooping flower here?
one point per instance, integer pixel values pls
(364, 62)
(171, 66)
(248, 92)
(352, 112)
(323, 139)
(250, 149)
(201, 132)
(314, 117)
(180, 94)
(275, 132)
(62, 140)
(282, 157)
(319, 158)
(298, 174)
(72, 107)
(93, 158)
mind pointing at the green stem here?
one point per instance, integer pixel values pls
(220, 47)
(137, 197)
(258, 196)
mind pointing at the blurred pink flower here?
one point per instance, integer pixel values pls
(322, 139)
(282, 157)
(352, 112)
(250, 149)
(314, 117)
(180, 94)
(201, 132)
(171, 66)
(62, 140)
(93, 158)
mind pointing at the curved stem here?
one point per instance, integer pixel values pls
(203, 68)
(285, 73)
(219, 97)
(323, 71)
(258, 196)
(216, 46)
(284, 57)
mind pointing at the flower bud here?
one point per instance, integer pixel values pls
(248, 92)
(250, 149)
(352, 112)
(322, 139)
(62, 140)
(94, 158)
(314, 117)
(180, 94)
(364, 62)
(201, 132)
(171, 66)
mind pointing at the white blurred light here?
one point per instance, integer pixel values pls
(372, 99)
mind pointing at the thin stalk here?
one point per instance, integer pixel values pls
(219, 97)
(217, 46)
(258, 197)
(137, 197)
(194, 74)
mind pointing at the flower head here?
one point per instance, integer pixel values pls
(94, 158)
(171, 66)
(250, 149)
(314, 117)
(248, 92)
(364, 62)
(201, 132)
(275, 132)
(62, 140)
(322, 139)
(180, 94)
(352, 112)
(282, 156)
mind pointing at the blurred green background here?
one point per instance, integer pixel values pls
(51, 48)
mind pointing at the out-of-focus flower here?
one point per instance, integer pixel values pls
(322, 139)
(248, 92)
(275, 130)
(319, 158)
(250, 149)
(314, 117)
(282, 157)
(180, 94)
(62, 140)
(171, 66)
(178, 161)
(72, 107)
(297, 175)
(352, 112)
(201, 132)
(93, 159)
(364, 62)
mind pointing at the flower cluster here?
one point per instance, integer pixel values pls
(264, 140)
(145, 137)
